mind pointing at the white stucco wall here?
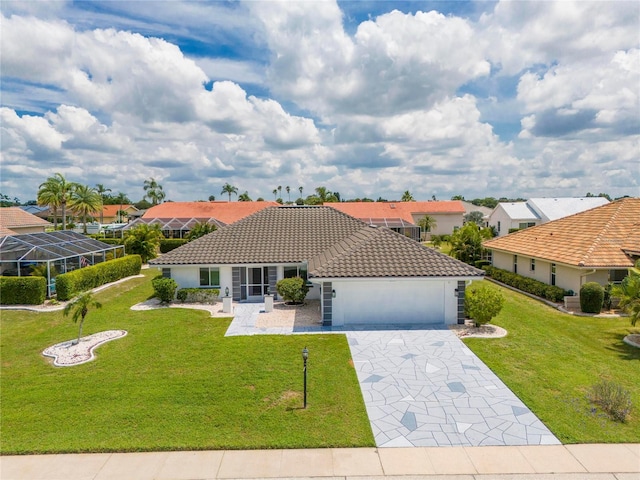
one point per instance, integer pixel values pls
(394, 301)
(445, 223)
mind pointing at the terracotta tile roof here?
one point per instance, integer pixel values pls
(342, 245)
(112, 210)
(595, 238)
(225, 212)
(4, 231)
(402, 210)
(15, 217)
(380, 252)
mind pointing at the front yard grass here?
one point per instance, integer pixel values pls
(551, 360)
(173, 383)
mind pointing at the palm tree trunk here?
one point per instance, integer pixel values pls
(55, 218)
(64, 214)
(80, 331)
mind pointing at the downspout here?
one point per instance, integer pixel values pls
(586, 274)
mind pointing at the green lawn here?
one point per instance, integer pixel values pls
(551, 360)
(174, 382)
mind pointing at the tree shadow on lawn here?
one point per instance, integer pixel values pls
(623, 350)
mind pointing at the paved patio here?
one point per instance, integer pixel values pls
(422, 387)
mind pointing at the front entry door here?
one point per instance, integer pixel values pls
(257, 283)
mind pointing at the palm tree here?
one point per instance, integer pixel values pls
(407, 197)
(229, 189)
(628, 291)
(200, 229)
(323, 194)
(427, 223)
(300, 190)
(143, 240)
(102, 191)
(288, 189)
(279, 191)
(79, 307)
(154, 191)
(275, 194)
(49, 195)
(57, 190)
(121, 198)
(83, 201)
(244, 197)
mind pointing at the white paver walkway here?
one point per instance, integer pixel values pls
(424, 387)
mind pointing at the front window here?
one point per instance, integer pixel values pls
(553, 274)
(498, 225)
(515, 264)
(526, 225)
(210, 277)
(166, 273)
(533, 264)
(291, 271)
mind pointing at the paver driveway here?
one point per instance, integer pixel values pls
(424, 387)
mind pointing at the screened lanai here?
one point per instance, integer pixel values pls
(397, 225)
(49, 254)
(173, 227)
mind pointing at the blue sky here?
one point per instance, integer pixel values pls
(367, 98)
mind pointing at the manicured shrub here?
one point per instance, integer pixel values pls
(482, 263)
(22, 290)
(168, 244)
(482, 304)
(292, 289)
(198, 295)
(529, 285)
(612, 398)
(591, 297)
(164, 288)
(71, 283)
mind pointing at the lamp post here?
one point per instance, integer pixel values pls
(305, 356)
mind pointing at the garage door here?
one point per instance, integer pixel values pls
(400, 302)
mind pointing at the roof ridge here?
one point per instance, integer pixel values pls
(603, 231)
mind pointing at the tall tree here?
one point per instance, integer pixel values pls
(288, 189)
(143, 240)
(229, 189)
(300, 190)
(120, 199)
(427, 223)
(57, 191)
(78, 308)
(279, 191)
(244, 197)
(212, 198)
(407, 197)
(275, 194)
(323, 194)
(85, 201)
(153, 191)
(102, 191)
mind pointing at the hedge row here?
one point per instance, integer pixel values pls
(529, 285)
(168, 244)
(69, 284)
(198, 295)
(22, 290)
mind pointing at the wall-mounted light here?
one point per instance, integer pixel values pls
(333, 293)
(226, 291)
(456, 292)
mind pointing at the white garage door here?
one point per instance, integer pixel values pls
(400, 302)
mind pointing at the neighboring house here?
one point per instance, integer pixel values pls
(485, 211)
(597, 245)
(361, 274)
(14, 221)
(224, 213)
(404, 217)
(536, 211)
(110, 213)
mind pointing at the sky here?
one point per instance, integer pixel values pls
(370, 99)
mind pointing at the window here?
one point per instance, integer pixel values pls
(515, 264)
(498, 226)
(553, 274)
(526, 225)
(291, 271)
(210, 277)
(166, 273)
(533, 265)
(616, 276)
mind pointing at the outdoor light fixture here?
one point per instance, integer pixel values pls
(333, 293)
(226, 291)
(305, 356)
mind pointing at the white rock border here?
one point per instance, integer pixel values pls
(632, 339)
(68, 354)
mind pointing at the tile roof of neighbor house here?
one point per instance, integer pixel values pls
(321, 235)
(15, 217)
(403, 210)
(112, 210)
(555, 208)
(595, 238)
(4, 231)
(225, 212)
(519, 211)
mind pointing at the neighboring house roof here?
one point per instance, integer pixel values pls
(605, 236)
(4, 231)
(224, 212)
(172, 223)
(470, 207)
(519, 211)
(35, 209)
(112, 210)
(15, 217)
(335, 244)
(555, 208)
(403, 210)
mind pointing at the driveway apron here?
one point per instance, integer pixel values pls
(426, 388)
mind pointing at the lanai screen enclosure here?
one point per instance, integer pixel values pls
(51, 254)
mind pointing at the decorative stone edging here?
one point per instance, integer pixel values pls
(633, 340)
(67, 354)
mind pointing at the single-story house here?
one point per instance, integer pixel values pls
(224, 213)
(509, 216)
(404, 217)
(597, 245)
(116, 213)
(360, 273)
(15, 221)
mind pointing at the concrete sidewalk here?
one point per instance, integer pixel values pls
(547, 462)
